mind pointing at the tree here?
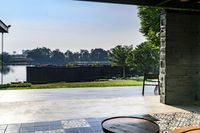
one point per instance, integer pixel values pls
(57, 57)
(6, 69)
(145, 58)
(119, 55)
(69, 56)
(40, 55)
(98, 54)
(84, 55)
(150, 23)
(6, 58)
(76, 56)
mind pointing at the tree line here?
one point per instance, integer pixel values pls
(56, 57)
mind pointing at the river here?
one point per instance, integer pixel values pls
(14, 74)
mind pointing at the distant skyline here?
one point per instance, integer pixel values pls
(68, 25)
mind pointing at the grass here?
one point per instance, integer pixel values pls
(109, 83)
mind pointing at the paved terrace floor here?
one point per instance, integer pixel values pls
(79, 109)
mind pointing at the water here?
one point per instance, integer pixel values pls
(14, 74)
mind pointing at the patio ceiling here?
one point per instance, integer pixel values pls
(3, 27)
(177, 4)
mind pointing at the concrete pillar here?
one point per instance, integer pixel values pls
(180, 57)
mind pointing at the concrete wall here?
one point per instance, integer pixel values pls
(180, 57)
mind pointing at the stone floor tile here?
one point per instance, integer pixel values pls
(55, 123)
(101, 119)
(39, 132)
(42, 128)
(172, 121)
(55, 127)
(94, 124)
(99, 132)
(27, 125)
(96, 129)
(27, 129)
(60, 131)
(91, 120)
(72, 130)
(77, 123)
(86, 130)
(39, 124)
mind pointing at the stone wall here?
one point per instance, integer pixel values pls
(180, 57)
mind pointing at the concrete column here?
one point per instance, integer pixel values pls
(180, 57)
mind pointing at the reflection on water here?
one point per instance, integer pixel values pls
(6, 69)
(14, 74)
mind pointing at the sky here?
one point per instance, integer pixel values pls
(68, 25)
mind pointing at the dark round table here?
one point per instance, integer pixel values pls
(125, 124)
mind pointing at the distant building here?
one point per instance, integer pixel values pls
(19, 59)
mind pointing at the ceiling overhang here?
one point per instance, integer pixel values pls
(176, 4)
(3, 27)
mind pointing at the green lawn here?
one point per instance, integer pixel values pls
(83, 84)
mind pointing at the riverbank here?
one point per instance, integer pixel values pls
(109, 83)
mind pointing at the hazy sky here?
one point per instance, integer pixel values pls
(68, 25)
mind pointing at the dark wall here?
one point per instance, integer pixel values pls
(180, 58)
(52, 74)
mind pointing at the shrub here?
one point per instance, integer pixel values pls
(71, 65)
(15, 85)
(20, 85)
(4, 86)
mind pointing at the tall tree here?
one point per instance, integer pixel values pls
(6, 58)
(84, 55)
(119, 55)
(145, 58)
(98, 54)
(40, 55)
(76, 56)
(57, 57)
(69, 56)
(150, 23)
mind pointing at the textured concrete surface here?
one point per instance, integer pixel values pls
(72, 93)
(58, 104)
(180, 58)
